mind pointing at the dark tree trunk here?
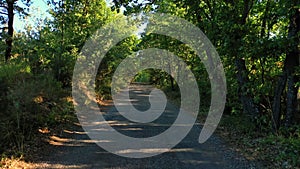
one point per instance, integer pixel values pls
(298, 101)
(291, 100)
(171, 78)
(246, 98)
(290, 64)
(9, 40)
(276, 107)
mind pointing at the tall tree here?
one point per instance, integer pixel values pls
(74, 22)
(241, 11)
(251, 37)
(8, 10)
(289, 79)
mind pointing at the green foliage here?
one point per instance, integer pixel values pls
(280, 150)
(30, 102)
(284, 151)
(239, 124)
(33, 85)
(58, 44)
(110, 62)
(143, 77)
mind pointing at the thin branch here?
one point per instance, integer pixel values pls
(3, 13)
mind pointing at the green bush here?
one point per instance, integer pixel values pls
(28, 102)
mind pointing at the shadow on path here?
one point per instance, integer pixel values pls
(74, 149)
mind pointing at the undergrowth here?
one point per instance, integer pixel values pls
(28, 102)
(279, 149)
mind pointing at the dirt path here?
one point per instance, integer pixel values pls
(74, 149)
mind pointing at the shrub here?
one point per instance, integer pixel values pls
(28, 102)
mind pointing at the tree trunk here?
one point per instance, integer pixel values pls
(291, 100)
(171, 78)
(246, 99)
(290, 64)
(298, 101)
(276, 107)
(9, 40)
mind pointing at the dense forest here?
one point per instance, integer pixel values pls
(257, 40)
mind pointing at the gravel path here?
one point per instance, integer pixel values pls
(74, 149)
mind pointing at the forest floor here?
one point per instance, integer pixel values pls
(70, 147)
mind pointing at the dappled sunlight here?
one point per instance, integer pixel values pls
(120, 123)
(57, 166)
(20, 164)
(132, 74)
(74, 132)
(132, 129)
(44, 130)
(60, 141)
(78, 150)
(38, 99)
(146, 150)
(181, 150)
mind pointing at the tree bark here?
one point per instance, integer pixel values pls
(298, 100)
(276, 107)
(9, 40)
(246, 98)
(291, 100)
(290, 64)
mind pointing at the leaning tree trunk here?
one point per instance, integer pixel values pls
(9, 40)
